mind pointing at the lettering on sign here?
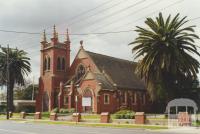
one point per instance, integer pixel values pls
(86, 101)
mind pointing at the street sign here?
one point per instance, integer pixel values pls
(86, 101)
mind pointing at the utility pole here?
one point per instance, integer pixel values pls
(8, 83)
(33, 89)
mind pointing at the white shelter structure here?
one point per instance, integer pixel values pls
(182, 102)
(175, 105)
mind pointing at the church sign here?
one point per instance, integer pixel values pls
(86, 101)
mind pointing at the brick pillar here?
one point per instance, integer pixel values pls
(98, 104)
(38, 97)
(71, 96)
(23, 115)
(140, 118)
(105, 117)
(61, 96)
(52, 90)
(53, 116)
(37, 115)
(10, 114)
(76, 117)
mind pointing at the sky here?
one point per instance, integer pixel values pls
(83, 17)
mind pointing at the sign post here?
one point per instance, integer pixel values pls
(76, 100)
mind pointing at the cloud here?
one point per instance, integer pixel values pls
(35, 15)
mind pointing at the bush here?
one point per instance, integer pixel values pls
(72, 110)
(27, 109)
(45, 114)
(117, 116)
(55, 110)
(124, 114)
(2, 108)
(65, 111)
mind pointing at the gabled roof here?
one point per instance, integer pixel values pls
(105, 83)
(121, 72)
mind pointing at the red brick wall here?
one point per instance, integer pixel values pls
(112, 106)
(50, 80)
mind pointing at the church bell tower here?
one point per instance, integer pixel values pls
(54, 69)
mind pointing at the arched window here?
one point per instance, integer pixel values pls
(48, 63)
(63, 63)
(80, 71)
(58, 63)
(45, 63)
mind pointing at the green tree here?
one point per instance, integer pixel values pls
(19, 67)
(26, 93)
(166, 48)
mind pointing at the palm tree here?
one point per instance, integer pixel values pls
(19, 67)
(166, 48)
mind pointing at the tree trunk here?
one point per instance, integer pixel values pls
(11, 95)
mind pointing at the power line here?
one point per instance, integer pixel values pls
(131, 22)
(87, 11)
(77, 34)
(38, 33)
(101, 11)
(156, 11)
(114, 13)
(97, 33)
(132, 13)
(195, 18)
(161, 9)
(177, 2)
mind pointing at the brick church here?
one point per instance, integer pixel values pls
(92, 83)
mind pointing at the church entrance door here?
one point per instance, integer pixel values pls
(45, 102)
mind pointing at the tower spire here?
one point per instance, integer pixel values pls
(67, 36)
(54, 31)
(44, 39)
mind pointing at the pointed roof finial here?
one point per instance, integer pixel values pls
(54, 31)
(67, 36)
(44, 39)
(81, 43)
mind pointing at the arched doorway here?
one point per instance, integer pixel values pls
(45, 102)
(87, 101)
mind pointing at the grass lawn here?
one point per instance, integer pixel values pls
(95, 116)
(197, 123)
(92, 116)
(152, 127)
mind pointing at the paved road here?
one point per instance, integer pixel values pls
(11, 127)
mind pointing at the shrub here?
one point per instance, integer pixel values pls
(64, 111)
(27, 109)
(118, 116)
(55, 110)
(124, 114)
(72, 110)
(2, 108)
(45, 114)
